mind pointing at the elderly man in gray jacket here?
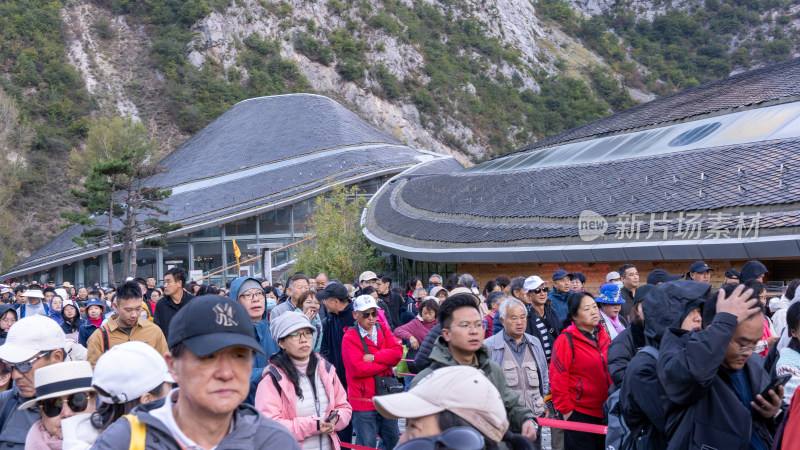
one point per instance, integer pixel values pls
(521, 357)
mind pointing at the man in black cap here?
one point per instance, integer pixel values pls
(753, 270)
(731, 276)
(700, 272)
(339, 319)
(211, 344)
(659, 276)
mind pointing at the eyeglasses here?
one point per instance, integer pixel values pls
(77, 402)
(436, 283)
(367, 315)
(742, 350)
(471, 326)
(463, 438)
(24, 366)
(250, 296)
(297, 335)
(539, 290)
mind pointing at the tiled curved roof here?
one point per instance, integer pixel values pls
(747, 88)
(259, 155)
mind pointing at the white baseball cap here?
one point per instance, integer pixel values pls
(532, 282)
(32, 293)
(444, 390)
(364, 302)
(129, 370)
(612, 276)
(30, 336)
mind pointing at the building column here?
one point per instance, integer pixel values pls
(160, 263)
(59, 275)
(79, 274)
(104, 270)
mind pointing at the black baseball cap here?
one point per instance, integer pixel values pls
(699, 267)
(334, 290)
(732, 273)
(661, 276)
(210, 323)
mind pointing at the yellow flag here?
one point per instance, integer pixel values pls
(236, 252)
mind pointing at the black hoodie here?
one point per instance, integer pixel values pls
(665, 306)
(752, 270)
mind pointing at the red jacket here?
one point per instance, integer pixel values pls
(580, 382)
(360, 374)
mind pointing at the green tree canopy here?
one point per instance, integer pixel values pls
(339, 248)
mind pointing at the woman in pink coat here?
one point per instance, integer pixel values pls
(300, 389)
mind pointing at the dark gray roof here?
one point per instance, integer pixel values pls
(545, 203)
(267, 129)
(246, 164)
(770, 83)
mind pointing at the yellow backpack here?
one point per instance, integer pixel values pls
(138, 432)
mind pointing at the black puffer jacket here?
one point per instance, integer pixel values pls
(702, 408)
(664, 306)
(422, 359)
(622, 349)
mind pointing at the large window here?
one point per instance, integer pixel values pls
(207, 256)
(147, 263)
(91, 271)
(250, 268)
(176, 254)
(207, 233)
(69, 274)
(241, 227)
(278, 221)
(302, 212)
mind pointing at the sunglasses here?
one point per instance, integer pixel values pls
(77, 402)
(540, 290)
(367, 315)
(24, 366)
(462, 438)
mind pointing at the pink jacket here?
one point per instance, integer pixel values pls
(282, 407)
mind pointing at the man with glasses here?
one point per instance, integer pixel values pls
(126, 325)
(298, 284)
(367, 278)
(32, 343)
(542, 320)
(433, 281)
(711, 381)
(369, 350)
(461, 343)
(248, 292)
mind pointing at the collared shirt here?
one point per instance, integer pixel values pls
(166, 416)
(518, 350)
(373, 334)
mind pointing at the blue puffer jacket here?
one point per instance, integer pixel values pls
(264, 336)
(559, 303)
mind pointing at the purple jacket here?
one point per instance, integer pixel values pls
(416, 328)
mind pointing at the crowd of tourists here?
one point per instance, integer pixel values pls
(673, 363)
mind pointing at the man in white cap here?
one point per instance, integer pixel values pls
(367, 278)
(542, 319)
(35, 305)
(369, 350)
(32, 343)
(442, 393)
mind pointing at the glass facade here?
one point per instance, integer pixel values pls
(208, 250)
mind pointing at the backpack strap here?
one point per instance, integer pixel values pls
(138, 432)
(105, 339)
(650, 350)
(571, 346)
(273, 374)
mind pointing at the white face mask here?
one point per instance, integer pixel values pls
(619, 283)
(271, 303)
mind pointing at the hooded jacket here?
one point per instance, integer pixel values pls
(166, 309)
(282, 406)
(441, 357)
(579, 378)
(752, 270)
(4, 308)
(558, 302)
(264, 337)
(361, 374)
(702, 409)
(622, 350)
(250, 430)
(641, 394)
(333, 329)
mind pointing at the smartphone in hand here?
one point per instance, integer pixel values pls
(332, 416)
(776, 382)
